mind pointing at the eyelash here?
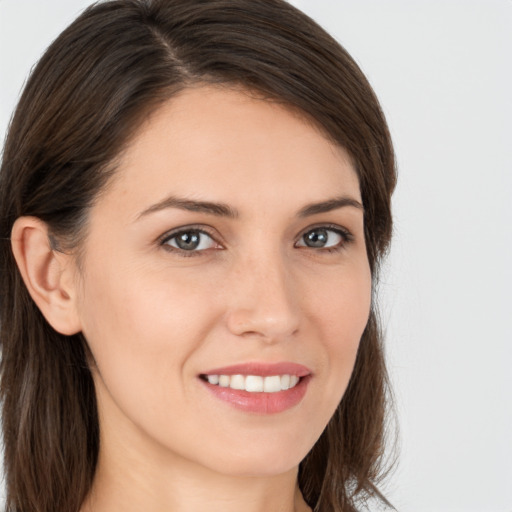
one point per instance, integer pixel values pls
(180, 231)
(345, 235)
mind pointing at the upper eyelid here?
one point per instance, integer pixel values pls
(212, 233)
(329, 226)
(207, 230)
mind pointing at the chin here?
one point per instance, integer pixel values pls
(259, 462)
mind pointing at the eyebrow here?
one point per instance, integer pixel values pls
(224, 210)
(329, 205)
(218, 209)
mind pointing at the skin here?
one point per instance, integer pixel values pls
(156, 317)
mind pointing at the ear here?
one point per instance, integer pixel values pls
(49, 275)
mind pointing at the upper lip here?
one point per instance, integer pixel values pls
(263, 369)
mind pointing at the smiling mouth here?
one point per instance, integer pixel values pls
(254, 383)
(259, 387)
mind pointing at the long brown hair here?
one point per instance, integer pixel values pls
(84, 100)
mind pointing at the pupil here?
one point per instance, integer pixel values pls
(188, 241)
(316, 238)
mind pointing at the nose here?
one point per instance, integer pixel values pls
(263, 300)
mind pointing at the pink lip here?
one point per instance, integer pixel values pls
(261, 403)
(263, 369)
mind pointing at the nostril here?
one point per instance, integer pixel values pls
(270, 328)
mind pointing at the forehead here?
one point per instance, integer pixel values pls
(230, 146)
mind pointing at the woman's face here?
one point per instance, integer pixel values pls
(227, 253)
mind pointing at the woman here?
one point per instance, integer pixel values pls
(197, 196)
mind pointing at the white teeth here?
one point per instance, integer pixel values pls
(224, 381)
(237, 382)
(213, 379)
(272, 384)
(255, 383)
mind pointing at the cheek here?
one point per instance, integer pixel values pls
(147, 327)
(341, 302)
(342, 313)
(140, 329)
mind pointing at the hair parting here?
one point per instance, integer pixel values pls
(84, 101)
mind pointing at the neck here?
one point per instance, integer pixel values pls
(132, 483)
(137, 472)
(190, 491)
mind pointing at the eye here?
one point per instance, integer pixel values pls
(324, 238)
(190, 240)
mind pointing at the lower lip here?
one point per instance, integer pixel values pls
(261, 403)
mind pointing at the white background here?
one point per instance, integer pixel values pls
(443, 72)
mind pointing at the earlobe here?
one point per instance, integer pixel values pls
(47, 273)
